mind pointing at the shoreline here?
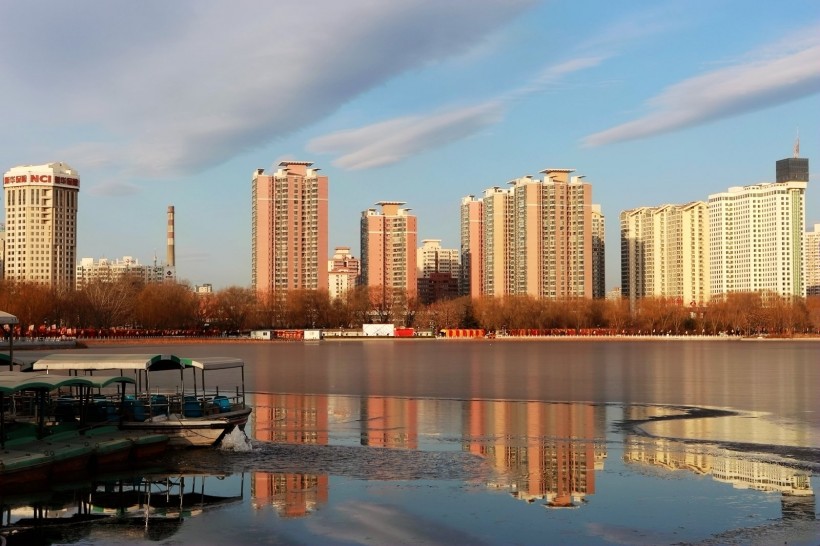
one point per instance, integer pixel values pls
(39, 345)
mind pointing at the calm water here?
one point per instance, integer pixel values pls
(482, 442)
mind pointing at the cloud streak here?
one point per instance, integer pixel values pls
(779, 75)
(391, 141)
(172, 89)
(388, 142)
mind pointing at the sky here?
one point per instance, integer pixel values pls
(160, 103)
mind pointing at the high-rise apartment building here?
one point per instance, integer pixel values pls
(536, 237)
(664, 253)
(497, 252)
(289, 229)
(812, 248)
(2, 250)
(598, 253)
(438, 273)
(343, 272)
(756, 235)
(431, 258)
(470, 282)
(41, 223)
(388, 239)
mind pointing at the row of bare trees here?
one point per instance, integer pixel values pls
(128, 303)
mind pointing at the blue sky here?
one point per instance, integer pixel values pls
(176, 103)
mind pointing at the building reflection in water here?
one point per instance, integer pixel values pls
(731, 467)
(538, 450)
(545, 451)
(292, 419)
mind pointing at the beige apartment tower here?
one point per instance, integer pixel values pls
(41, 223)
(664, 253)
(388, 239)
(756, 234)
(535, 237)
(343, 272)
(289, 239)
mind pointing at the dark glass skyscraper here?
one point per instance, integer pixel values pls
(792, 169)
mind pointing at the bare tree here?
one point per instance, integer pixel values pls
(236, 306)
(166, 306)
(108, 304)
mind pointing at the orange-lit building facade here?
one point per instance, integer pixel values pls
(557, 447)
(389, 239)
(289, 241)
(534, 237)
(471, 245)
(290, 419)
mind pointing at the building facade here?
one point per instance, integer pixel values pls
(343, 272)
(598, 253)
(439, 271)
(536, 238)
(41, 204)
(289, 229)
(812, 248)
(756, 239)
(470, 279)
(388, 245)
(431, 258)
(664, 253)
(104, 270)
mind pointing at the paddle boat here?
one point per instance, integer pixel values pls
(173, 396)
(41, 440)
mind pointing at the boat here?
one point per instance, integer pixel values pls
(37, 446)
(166, 399)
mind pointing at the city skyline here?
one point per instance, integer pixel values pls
(655, 102)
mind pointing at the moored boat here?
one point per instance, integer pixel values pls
(187, 408)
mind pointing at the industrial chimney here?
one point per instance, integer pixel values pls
(170, 258)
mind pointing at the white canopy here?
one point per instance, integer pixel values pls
(6, 318)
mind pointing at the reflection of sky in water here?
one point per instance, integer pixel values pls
(449, 454)
(382, 470)
(749, 428)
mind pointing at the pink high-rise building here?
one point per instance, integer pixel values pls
(534, 238)
(289, 223)
(389, 248)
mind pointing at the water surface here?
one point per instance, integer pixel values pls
(487, 442)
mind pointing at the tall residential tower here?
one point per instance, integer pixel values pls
(388, 240)
(289, 229)
(534, 237)
(756, 234)
(664, 253)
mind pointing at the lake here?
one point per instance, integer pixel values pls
(480, 442)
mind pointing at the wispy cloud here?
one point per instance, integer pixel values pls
(391, 141)
(394, 140)
(771, 76)
(177, 88)
(114, 188)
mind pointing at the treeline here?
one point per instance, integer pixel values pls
(174, 306)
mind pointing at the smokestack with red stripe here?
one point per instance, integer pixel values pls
(170, 258)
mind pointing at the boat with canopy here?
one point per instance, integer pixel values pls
(183, 398)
